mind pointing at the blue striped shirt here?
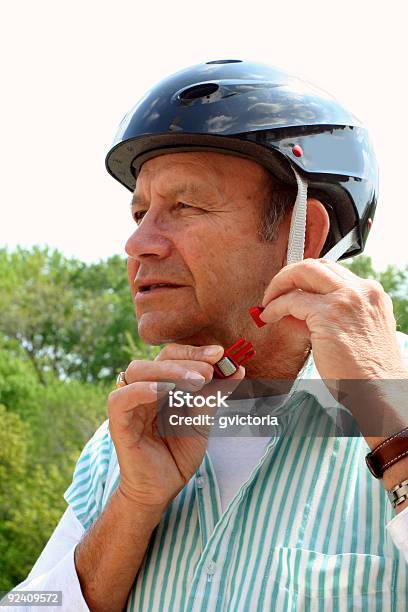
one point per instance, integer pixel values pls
(306, 531)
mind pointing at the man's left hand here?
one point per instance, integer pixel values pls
(349, 320)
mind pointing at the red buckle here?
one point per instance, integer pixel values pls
(255, 311)
(234, 355)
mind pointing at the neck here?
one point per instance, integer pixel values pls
(280, 355)
(276, 365)
(283, 361)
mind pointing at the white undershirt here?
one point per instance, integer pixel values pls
(234, 457)
(233, 460)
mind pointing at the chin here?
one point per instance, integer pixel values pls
(159, 328)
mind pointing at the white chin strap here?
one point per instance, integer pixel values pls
(296, 243)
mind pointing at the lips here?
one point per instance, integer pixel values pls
(147, 288)
(145, 285)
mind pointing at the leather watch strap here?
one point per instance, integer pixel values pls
(387, 453)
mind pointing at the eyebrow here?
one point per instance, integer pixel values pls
(190, 188)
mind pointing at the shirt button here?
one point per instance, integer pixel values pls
(200, 482)
(211, 567)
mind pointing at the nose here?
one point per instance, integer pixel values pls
(148, 241)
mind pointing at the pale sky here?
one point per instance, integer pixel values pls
(70, 71)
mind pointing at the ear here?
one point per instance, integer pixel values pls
(317, 228)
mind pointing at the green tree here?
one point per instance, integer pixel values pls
(42, 432)
(71, 319)
(395, 283)
(36, 302)
(31, 501)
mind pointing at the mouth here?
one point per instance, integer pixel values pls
(156, 287)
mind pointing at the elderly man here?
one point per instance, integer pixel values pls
(225, 159)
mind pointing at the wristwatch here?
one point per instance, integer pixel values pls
(387, 453)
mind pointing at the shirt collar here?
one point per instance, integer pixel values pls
(308, 381)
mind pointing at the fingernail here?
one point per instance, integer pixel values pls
(214, 349)
(195, 377)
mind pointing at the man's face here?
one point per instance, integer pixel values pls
(197, 217)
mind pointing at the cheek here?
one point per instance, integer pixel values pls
(204, 252)
(225, 260)
(217, 264)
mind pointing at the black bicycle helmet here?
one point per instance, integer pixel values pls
(298, 132)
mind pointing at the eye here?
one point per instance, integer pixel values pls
(139, 214)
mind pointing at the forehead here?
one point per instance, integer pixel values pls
(200, 167)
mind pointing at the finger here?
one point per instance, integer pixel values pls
(123, 402)
(296, 303)
(195, 373)
(309, 275)
(202, 367)
(141, 392)
(226, 387)
(210, 353)
(340, 270)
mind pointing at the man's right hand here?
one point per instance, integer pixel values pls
(154, 469)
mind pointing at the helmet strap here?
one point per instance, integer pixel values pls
(296, 243)
(297, 231)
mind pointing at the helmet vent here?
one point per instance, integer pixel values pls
(227, 61)
(203, 90)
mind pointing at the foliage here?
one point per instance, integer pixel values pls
(71, 319)
(38, 451)
(31, 501)
(394, 281)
